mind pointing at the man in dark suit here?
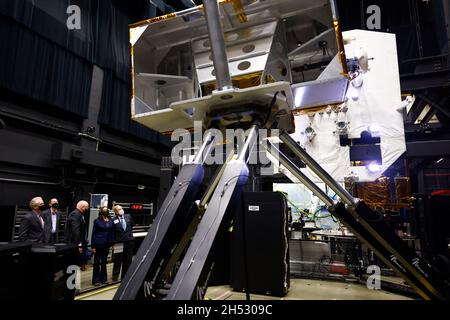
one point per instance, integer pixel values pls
(33, 224)
(51, 218)
(76, 231)
(123, 236)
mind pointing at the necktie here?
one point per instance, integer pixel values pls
(124, 224)
(42, 220)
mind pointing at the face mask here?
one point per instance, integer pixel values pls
(42, 208)
(55, 206)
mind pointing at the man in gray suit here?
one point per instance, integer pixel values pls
(51, 218)
(32, 225)
(123, 234)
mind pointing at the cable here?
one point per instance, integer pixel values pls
(302, 212)
(269, 111)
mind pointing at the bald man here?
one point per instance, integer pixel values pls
(76, 231)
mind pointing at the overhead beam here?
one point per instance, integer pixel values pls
(416, 110)
(429, 115)
(75, 154)
(436, 105)
(414, 82)
(424, 149)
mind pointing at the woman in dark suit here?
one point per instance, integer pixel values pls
(102, 239)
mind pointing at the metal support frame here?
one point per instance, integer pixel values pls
(317, 169)
(90, 128)
(201, 209)
(428, 149)
(292, 168)
(191, 280)
(166, 230)
(446, 9)
(166, 240)
(436, 105)
(369, 227)
(339, 38)
(415, 111)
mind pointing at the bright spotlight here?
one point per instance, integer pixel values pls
(374, 167)
(355, 94)
(374, 129)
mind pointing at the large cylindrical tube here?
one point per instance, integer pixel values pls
(217, 41)
(317, 169)
(292, 168)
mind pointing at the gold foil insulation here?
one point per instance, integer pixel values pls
(377, 194)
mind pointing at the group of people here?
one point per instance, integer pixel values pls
(109, 231)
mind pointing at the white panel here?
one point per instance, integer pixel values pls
(263, 94)
(165, 120)
(257, 64)
(242, 35)
(379, 98)
(237, 52)
(375, 103)
(136, 33)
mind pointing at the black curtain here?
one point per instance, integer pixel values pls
(42, 59)
(103, 38)
(38, 68)
(116, 110)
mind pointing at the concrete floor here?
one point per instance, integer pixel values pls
(301, 289)
(86, 277)
(103, 294)
(306, 289)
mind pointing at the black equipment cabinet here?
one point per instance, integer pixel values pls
(14, 262)
(48, 275)
(434, 222)
(221, 256)
(265, 242)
